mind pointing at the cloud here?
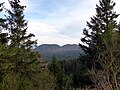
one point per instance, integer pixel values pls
(59, 21)
(56, 40)
(62, 25)
(41, 28)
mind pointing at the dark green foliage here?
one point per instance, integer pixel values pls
(55, 68)
(63, 81)
(17, 26)
(94, 41)
(23, 70)
(20, 67)
(3, 36)
(68, 66)
(96, 27)
(80, 75)
(76, 71)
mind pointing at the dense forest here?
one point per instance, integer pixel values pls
(96, 68)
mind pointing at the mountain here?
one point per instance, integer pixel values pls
(68, 51)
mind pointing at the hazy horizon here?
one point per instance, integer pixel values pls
(56, 44)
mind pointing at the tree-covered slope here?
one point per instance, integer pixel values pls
(67, 51)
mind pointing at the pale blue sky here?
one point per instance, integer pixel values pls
(59, 21)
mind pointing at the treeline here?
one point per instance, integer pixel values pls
(97, 68)
(70, 74)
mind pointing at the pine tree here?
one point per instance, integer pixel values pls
(3, 36)
(17, 26)
(96, 27)
(101, 45)
(20, 67)
(57, 71)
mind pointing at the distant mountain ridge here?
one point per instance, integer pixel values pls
(67, 51)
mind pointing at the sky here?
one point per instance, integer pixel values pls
(59, 21)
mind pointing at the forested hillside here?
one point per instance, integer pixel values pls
(65, 52)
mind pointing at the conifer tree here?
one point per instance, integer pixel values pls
(3, 36)
(101, 45)
(62, 81)
(17, 26)
(20, 67)
(96, 27)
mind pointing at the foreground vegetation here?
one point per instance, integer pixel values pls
(98, 68)
(20, 67)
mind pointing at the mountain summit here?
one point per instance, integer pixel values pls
(68, 51)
